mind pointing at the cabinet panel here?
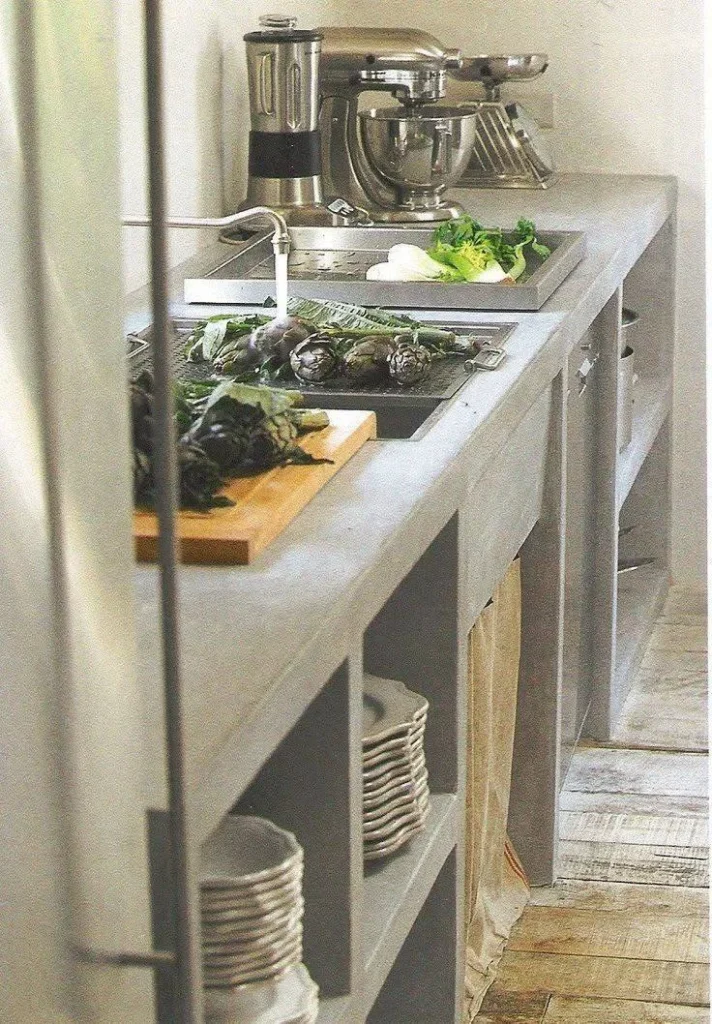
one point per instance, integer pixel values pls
(503, 506)
(583, 385)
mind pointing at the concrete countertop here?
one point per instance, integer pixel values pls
(258, 642)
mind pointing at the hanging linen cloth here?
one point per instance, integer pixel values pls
(496, 887)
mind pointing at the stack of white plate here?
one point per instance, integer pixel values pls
(396, 798)
(251, 908)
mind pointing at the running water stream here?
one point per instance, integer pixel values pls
(281, 283)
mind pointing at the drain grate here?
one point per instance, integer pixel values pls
(311, 264)
(445, 378)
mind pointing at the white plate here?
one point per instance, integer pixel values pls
(263, 956)
(373, 798)
(291, 998)
(233, 941)
(381, 833)
(246, 851)
(387, 705)
(233, 965)
(247, 927)
(400, 805)
(378, 851)
(406, 746)
(225, 975)
(292, 873)
(401, 732)
(255, 906)
(375, 851)
(374, 776)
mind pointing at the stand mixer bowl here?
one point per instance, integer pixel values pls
(420, 150)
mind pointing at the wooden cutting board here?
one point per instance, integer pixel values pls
(265, 504)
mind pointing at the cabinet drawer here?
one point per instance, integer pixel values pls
(502, 507)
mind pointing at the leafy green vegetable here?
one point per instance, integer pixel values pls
(223, 429)
(270, 400)
(212, 337)
(468, 259)
(342, 320)
(465, 244)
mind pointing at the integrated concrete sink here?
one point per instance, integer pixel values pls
(408, 418)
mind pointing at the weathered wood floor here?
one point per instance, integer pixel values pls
(623, 938)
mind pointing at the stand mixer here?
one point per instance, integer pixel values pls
(317, 159)
(394, 162)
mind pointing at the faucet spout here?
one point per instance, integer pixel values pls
(281, 240)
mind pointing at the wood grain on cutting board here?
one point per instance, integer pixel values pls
(265, 504)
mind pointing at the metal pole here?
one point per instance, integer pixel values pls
(187, 972)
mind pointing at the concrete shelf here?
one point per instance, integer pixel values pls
(653, 399)
(334, 1010)
(396, 888)
(634, 500)
(641, 595)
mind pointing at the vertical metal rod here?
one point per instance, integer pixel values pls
(166, 472)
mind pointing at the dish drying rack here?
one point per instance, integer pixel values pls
(499, 157)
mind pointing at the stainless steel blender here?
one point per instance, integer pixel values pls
(284, 144)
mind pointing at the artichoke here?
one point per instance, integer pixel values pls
(313, 360)
(409, 364)
(368, 360)
(270, 441)
(225, 444)
(142, 477)
(237, 357)
(278, 338)
(142, 411)
(199, 478)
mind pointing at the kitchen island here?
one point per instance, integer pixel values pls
(388, 568)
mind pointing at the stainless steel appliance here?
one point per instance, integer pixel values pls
(284, 169)
(395, 163)
(509, 149)
(420, 154)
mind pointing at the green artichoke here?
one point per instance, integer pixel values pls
(142, 477)
(142, 411)
(200, 478)
(278, 337)
(270, 441)
(313, 360)
(367, 360)
(409, 364)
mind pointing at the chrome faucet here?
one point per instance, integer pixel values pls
(281, 241)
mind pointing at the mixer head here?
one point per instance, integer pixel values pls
(410, 64)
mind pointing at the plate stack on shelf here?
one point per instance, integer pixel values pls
(251, 909)
(396, 798)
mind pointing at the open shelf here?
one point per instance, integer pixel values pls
(396, 888)
(653, 396)
(640, 597)
(333, 1010)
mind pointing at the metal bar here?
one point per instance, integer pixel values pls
(188, 986)
(113, 958)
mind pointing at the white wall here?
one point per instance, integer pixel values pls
(628, 79)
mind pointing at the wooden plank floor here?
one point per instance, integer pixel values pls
(623, 937)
